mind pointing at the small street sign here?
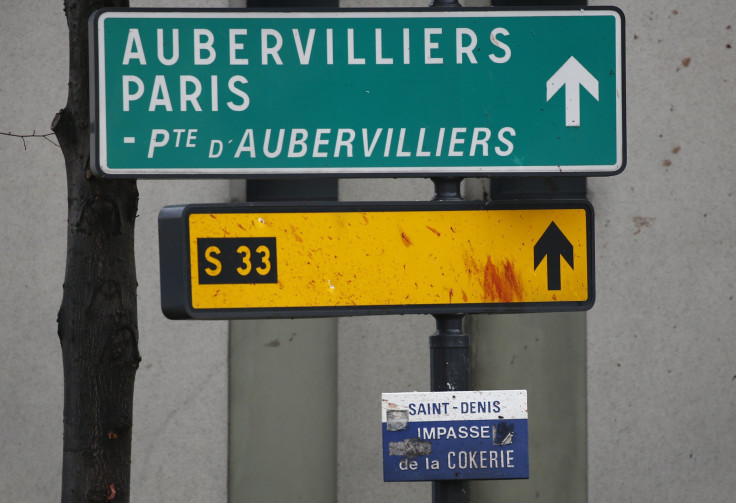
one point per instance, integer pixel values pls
(455, 435)
(345, 259)
(471, 92)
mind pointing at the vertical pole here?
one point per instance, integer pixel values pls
(447, 189)
(448, 346)
(449, 349)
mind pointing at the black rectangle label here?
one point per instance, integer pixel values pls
(230, 261)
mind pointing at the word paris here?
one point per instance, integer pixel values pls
(363, 93)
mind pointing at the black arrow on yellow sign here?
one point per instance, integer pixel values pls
(553, 244)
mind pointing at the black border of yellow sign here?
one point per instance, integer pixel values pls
(237, 261)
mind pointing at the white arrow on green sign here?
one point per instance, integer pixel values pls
(468, 92)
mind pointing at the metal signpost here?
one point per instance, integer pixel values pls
(455, 435)
(216, 93)
(343, 259)
(440, 93)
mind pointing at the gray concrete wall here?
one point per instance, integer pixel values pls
(661, 338)
(543, 353)
(283, 410)
(32, 243)
(180, 408)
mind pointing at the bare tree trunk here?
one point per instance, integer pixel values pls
(98, 325)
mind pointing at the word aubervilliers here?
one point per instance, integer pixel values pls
(300, 142)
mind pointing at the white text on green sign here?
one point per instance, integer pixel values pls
(472, 92)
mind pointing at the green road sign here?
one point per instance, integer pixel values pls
(357, 93)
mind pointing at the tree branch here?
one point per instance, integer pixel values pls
(32, 135)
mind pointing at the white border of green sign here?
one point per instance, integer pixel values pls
(357, 93)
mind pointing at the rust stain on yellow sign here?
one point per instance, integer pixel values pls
(383, 258)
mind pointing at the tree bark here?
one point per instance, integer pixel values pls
(98, 326)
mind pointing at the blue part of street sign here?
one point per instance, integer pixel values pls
(457, 450)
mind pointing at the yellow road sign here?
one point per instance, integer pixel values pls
(251, 261)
